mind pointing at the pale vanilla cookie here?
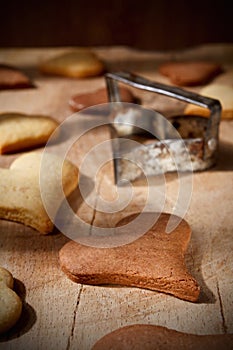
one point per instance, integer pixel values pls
(150, 337)
(13, 78)
(21, 131)
(223, 93)
(154, 261)
(80, 63)
(10, 303)
(6, 278)
(20, 192)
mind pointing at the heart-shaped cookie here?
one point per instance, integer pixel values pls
(20, 191)
(154, 261)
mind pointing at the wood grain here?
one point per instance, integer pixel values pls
(59, 314)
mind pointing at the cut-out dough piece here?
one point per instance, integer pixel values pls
(154, 261)
(20, 196)
(189, 73)
(82, 101)
(81, 63)
(20, 131)
(223, 93)
(150, 337)
(10, 303)
(13, 78)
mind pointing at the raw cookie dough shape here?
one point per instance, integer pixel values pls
(151, 337)
(154, 261)
(85, 100)
(13, 78)
(81, 63)
(10, 303)
(20, 197)
(190, 73)
(21, 131)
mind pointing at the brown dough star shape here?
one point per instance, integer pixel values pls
(150, 337)
(154, 261)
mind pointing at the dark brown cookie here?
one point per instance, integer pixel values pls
(154, 261)
(13, 78)
(190, 73)
(81, 101)
(150, 337)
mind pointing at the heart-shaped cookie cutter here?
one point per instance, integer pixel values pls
(194, 149)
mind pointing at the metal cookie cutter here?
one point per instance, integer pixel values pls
(148, 143)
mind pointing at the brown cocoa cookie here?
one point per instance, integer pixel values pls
(190, 73)
(80, 63)
(13, 78)
(154, 261)
(150, 337)
(81, 101)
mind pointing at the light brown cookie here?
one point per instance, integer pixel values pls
(155, 261)
(223, 93)
(21, 131)
(80, 63)
(13, 78)
(10, 303)
(6, 278)
(150, 337)
(189, 73)
(20, 195)
(81, 101)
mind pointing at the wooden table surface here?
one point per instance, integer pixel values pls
(59, 314)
